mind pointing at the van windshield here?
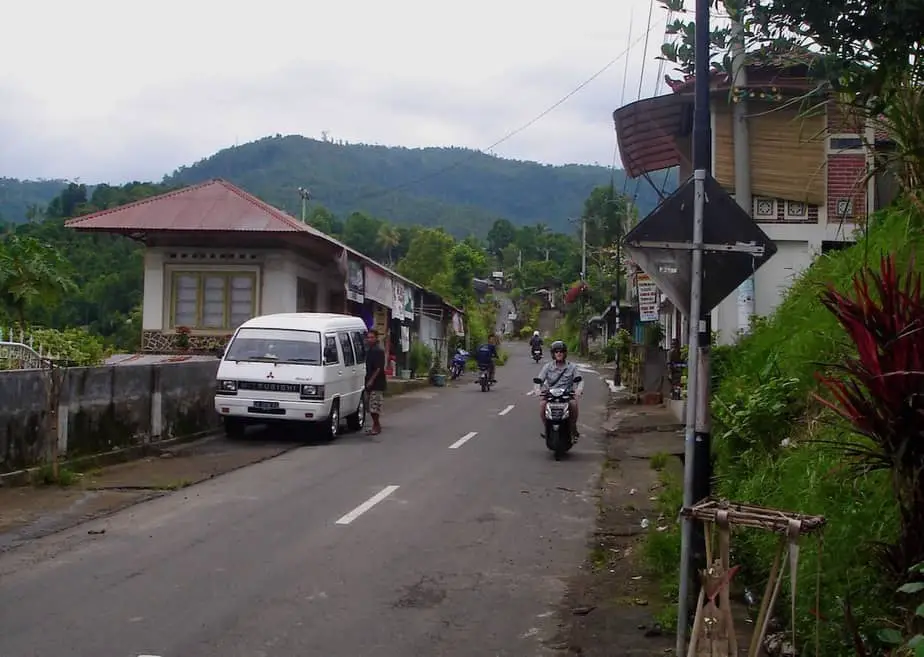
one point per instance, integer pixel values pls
(275, 346)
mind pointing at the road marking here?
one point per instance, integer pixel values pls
(365, 506)
(507, 410)
(464, 439)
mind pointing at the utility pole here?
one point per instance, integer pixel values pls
(696, 436)
(305, 195)
(583, 248)
(742, 152)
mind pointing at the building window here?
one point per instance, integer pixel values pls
(845, 143)
(765, 208)
(844, 207)
(796, 211)
(216, 301)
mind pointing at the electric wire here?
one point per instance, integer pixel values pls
(561, 101)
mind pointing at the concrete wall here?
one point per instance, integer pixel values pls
(103, 408)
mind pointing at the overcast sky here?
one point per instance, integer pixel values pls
(113, 91)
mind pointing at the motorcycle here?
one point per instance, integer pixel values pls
(484, 378)
(537, 354)
(559, 434)
(457, 366)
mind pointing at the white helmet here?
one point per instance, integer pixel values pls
(535, 334)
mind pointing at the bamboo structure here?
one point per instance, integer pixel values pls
(713, 632)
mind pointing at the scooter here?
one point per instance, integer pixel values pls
(537, 354)
(559, 434)
(484, 378)
(457, 366)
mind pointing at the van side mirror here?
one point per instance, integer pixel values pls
(578, 378)
(537, 381)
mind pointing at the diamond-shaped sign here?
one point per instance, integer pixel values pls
(735, 246)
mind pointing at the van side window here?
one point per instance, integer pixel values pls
(359, 346)
(330, 350)
(347, 349)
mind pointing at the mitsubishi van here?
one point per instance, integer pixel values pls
(306, 368)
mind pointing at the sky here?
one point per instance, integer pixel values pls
(91, 91)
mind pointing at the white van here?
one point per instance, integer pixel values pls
(294, 367)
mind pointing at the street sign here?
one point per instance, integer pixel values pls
(734, 246)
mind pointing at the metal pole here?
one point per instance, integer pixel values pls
(583, 248)
(702, 162)
(742, 147)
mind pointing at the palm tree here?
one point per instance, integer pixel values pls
(30, 272)
(388, 239)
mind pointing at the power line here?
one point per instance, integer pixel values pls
(561, 101)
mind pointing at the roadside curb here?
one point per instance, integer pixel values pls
(104, 459)
(24, 477)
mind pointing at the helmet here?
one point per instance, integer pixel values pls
(558, 345)
(535, 334)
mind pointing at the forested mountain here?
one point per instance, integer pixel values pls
(21, 200)
(462, 190)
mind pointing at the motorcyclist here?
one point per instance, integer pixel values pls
(559, 373)
(535, 342)
(486, 354)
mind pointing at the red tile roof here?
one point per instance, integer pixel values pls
(216, 205)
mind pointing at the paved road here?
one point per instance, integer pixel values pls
(448, 535)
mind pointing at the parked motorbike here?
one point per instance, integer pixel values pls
(537, 354)
(457, 366)
(484, 378)
(559, 434)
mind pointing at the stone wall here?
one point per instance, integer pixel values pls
(103, 408)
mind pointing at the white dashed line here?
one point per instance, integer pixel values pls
(464, 439)
(365, 506)
(507, 410)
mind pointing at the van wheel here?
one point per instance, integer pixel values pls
(332, 429)
(357, 420)
(234, 428)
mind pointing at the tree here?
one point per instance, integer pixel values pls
(388, 239)
(31, 272)
(500, 236)
(605, 212)
(427, 256)
(361, 232)
(465, 263)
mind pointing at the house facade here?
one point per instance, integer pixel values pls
(809, 173)
(215, 256)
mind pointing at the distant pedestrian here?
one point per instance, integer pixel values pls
(375, 380)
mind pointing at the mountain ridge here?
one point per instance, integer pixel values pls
(461, 189)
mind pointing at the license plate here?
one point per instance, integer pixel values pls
(265, 405)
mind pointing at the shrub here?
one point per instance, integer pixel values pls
(772, 443)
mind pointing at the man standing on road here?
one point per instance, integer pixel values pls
(375, 380)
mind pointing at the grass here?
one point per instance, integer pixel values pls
(45, 476)
(754, 466)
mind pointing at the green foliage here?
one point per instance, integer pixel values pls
(374, 179)
(31, 273)
(420, 357)
(770, 441)
(76, 345)
(22, 200)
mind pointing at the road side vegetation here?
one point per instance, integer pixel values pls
(804, 420)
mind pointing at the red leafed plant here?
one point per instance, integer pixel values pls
(880, 391)
(575, 292)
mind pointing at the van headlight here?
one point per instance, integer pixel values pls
(312, 392)
(227, 387)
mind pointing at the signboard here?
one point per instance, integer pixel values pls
(356, 281)
(734, 245)
(647, 298)
(378, 287)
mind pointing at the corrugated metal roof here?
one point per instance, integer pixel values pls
(216, 205)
